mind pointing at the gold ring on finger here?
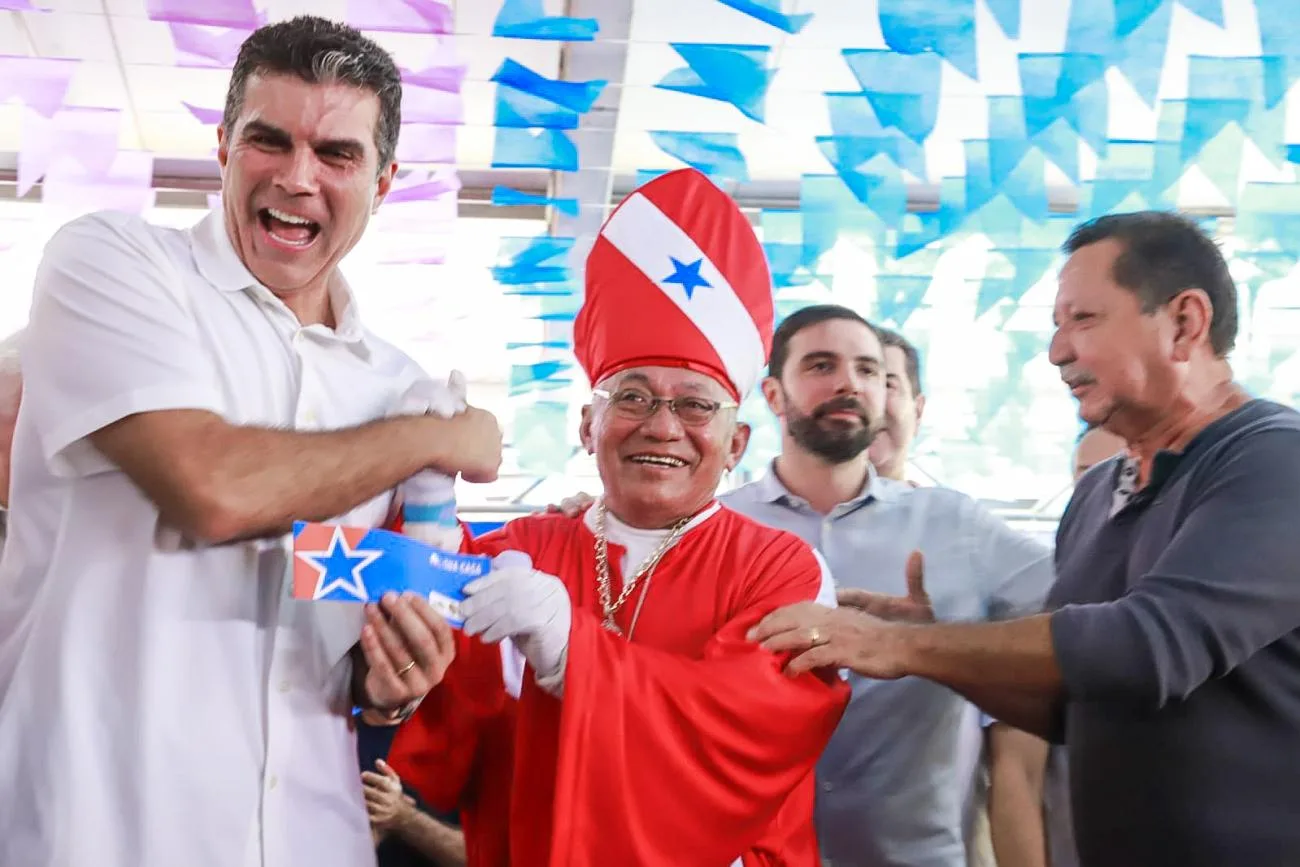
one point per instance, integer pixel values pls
(815, 637)
(405, 668)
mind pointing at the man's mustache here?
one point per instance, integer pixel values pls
(841, 404)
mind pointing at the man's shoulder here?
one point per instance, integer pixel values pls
(935, 496)
(98, 238)
(1260, 441)
(110, 226)
(1264, 418)
(750, 492)
(389, 357)
(935, 504)
(748, 535)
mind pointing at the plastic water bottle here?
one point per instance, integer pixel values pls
(429, 497)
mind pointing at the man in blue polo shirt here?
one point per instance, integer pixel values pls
(895, 780)
(1170, 666)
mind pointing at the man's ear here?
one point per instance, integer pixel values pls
(584, 430)
(223, 147)
(774, 395)
(383, 186)
(920, 408)
(739, 442)
(1192, 314)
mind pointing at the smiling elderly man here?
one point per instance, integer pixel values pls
(640, 727)
(1171, 667)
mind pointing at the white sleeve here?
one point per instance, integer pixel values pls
(826, 592)
(111, 334)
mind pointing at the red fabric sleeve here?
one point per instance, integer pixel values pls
(662, 755)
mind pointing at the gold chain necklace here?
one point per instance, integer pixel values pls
(602, 567)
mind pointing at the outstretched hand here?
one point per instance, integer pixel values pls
(572, 507)
(915, 607)
(821, 637)
(861, 635)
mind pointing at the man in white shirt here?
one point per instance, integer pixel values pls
(188, 395)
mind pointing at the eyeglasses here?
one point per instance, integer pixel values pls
(633, 403)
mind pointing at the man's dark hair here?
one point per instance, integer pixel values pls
(321, 52)
(911, 358)
(797, 321)
(1165, 254)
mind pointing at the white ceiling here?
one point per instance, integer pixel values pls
(128, 64)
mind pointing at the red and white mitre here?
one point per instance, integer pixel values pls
(677, 278)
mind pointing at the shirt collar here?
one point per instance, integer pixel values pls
(771, 489)
(220, 265)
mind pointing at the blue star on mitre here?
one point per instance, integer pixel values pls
(687, 276)
(340, 567)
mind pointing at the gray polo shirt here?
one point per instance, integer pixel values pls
(894, 781)
(1179, 642)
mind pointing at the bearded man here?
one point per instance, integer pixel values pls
(605, 706)
(897, 777)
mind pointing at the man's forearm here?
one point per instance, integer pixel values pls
(267, 479)
(218, 482)
(1016, 829)
(1017, 765)
(440, 843)
(1008, 669)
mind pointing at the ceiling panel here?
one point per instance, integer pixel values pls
(155, 92)
(176, 134)
(98, 85)
(685, 21)
(476, 17)
(142, 42)
(67, 34)
(86, 7)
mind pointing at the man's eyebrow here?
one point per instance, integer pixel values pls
(261, 127)
(282, 137)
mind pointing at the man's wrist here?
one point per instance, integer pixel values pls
(377, 714)
(438, 437)
(404, 818)
(374, 713)
(908, 643)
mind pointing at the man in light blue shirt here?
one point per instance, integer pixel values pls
(893, 782)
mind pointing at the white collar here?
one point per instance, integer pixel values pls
(220, 265)
(620, 533)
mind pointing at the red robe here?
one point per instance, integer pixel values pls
(686, 746)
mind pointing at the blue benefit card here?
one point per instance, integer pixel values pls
(353, 564)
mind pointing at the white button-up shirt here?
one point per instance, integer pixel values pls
(163, 703)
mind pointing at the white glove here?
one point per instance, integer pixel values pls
(431, 490)
(437, 398)
(529, 607)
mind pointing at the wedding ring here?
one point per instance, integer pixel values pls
(815, 637)
(405, 668)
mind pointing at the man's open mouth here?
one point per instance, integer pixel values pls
(657, 460)
(288, 229)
